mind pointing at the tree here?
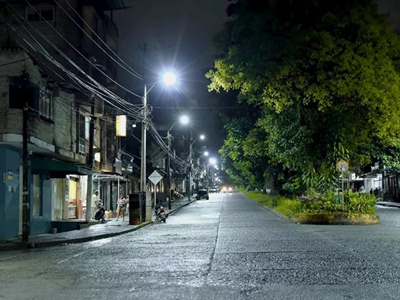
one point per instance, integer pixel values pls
(325, 74)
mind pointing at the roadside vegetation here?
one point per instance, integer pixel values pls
(331, 203)
(312, 87)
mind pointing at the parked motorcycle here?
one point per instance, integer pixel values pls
(160, 213)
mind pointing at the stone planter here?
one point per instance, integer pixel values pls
(338, 219)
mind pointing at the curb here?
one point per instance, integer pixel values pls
(22, 246)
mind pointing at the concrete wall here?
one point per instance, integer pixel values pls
(42, 224)
(10, 202)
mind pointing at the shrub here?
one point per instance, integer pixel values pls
(314, 203)
(331, 202)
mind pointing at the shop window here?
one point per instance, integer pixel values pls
(37, 207)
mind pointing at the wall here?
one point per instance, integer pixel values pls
(42, 224)
(10, 206)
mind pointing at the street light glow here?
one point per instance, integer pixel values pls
(206, 153)
(202, 137)
(212, 161)
(184, 120)
(169, 78)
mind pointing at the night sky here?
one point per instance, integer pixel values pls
(179, 33)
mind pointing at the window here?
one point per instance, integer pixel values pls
(37, 210)
(82, 134)
(40, 13)
(20, 93)
(38, 98)
(46, 103)
(87, 128)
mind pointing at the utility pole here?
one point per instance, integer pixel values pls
(90, 159)
(143, 189)
(25, 187)
(169, 171)
(190, 166)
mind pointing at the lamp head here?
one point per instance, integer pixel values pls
(184, 120)
(169, 78)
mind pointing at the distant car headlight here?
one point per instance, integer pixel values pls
(224, 189)
(230, 189)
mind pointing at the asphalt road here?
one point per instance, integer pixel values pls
(225, 248)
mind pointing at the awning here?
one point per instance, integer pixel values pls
(56, 168)
(112, 177)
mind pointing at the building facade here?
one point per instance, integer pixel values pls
(50, 109)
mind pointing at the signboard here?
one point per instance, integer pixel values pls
(342, 165)
(155, 177)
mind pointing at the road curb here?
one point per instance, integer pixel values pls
(18, 245)
(22, 246)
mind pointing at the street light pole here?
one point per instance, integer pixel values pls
(183, 120)
(169, 171)
(168, 79)
(190, 166)
(143, 188)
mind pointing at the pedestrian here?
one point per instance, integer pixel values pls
(95, 203)
(121, 208)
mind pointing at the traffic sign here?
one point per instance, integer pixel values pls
(342, 165)
(155, 177)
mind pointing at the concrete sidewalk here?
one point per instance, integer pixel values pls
(91, 233)
(388, 203)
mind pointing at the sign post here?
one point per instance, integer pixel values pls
(155, 178)
(342, 166)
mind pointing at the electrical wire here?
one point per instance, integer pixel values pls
(83, 56)
(125, 67)
(94, 87)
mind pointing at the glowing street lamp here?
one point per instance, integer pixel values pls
(169, 79)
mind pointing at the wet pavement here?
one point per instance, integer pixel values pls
(93, 232)
(100, 231)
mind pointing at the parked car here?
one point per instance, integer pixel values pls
(202, 194)
(214, 189)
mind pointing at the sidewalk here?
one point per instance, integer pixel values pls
(387, 203)
(91, 233)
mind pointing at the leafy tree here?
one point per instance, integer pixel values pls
(325, 74)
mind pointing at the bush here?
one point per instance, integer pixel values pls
(331, 203)
(314, 203)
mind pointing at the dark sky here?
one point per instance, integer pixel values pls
(177, 34)
(391, 7)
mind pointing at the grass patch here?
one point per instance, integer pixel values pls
(285, 206)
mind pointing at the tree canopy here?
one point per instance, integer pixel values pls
(324, 75)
